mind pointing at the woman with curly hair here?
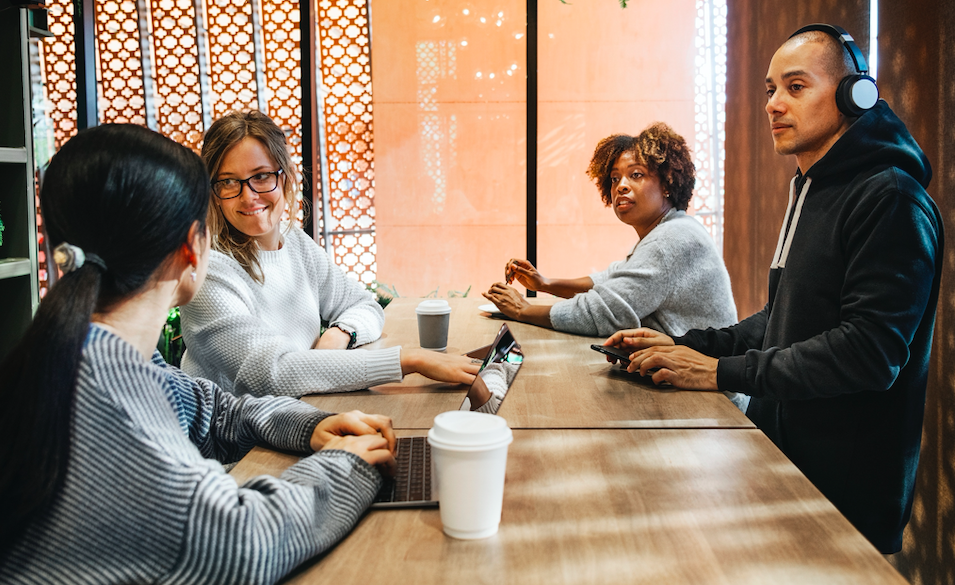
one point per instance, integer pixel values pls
(674, 280)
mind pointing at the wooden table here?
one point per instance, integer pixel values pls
(608, 481)
(660, 506)
(562, 384)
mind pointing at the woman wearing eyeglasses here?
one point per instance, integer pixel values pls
(255, 326)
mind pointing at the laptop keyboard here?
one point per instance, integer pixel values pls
(412, 481)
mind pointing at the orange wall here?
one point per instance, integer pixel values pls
(603, 71)
(450, 183)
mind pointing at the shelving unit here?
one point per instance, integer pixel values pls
(19, 287)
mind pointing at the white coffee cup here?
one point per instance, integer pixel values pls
(469, 458)
(434, 317)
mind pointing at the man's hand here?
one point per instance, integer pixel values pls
(677, 365)
(355, 422)
(634, 339)
(507, 300)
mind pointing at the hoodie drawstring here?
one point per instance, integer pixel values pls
(786, 236)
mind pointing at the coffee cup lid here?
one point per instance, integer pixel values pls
(464, 429)
(433, 307)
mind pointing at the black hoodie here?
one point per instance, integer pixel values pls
(837, 360)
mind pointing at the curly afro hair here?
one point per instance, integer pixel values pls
(663, 151)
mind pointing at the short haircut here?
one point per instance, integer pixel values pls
(664, 153)
(838, 63)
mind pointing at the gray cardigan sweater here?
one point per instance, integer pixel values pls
(673, 281)
(146, 499)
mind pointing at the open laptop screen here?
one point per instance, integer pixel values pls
(501, 361)
(411, 486)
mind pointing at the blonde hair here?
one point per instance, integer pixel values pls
(224, 134)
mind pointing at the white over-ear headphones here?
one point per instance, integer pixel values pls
(856, 93)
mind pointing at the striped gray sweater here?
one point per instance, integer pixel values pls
(146, 498)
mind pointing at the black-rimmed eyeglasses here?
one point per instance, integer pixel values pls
(258, 183)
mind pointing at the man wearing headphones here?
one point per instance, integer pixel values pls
(836, 362)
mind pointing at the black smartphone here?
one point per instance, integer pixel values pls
(621, 355)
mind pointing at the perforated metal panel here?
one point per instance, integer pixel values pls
(709, 137)
(121, 93)
(436, 61)
(282, 60)
(198, 67)
(229, 34)
(59, 69)
(282, 73)
(176, 60)
(345, 65)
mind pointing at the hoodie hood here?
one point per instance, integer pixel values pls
(877, 138)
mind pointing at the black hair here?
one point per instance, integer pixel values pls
(664, 153)
(130, 196)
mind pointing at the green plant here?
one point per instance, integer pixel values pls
(171, 345)
(385, 293)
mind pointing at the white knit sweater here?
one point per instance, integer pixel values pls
(257, 338)
(146, 499)
(673, 281)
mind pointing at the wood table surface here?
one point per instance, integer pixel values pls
(562, 384)
(661, 506)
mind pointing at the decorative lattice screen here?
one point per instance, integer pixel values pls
(345, 66)
(177, 65)
(710, 115)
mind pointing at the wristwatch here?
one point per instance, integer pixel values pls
(351, 333)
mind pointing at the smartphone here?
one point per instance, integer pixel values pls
(620, 355)
(623, 356)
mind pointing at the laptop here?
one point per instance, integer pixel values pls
(411, 485)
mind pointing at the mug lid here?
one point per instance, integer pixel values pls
(433, 307)
(464, 428)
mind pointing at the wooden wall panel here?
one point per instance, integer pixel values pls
(917, 78)
(757, 179)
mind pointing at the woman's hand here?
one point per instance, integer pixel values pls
(333, 338)
(525, 273)
(373, 449)
(457, 369)
(507, 300)
(355, 422)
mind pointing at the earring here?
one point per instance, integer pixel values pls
(667, 195)
(193, 276)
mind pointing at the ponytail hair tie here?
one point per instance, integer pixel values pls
(69, 258)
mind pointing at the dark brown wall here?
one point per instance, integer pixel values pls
(757, 179)
(917, 78)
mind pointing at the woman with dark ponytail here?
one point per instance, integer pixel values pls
(110, 459)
